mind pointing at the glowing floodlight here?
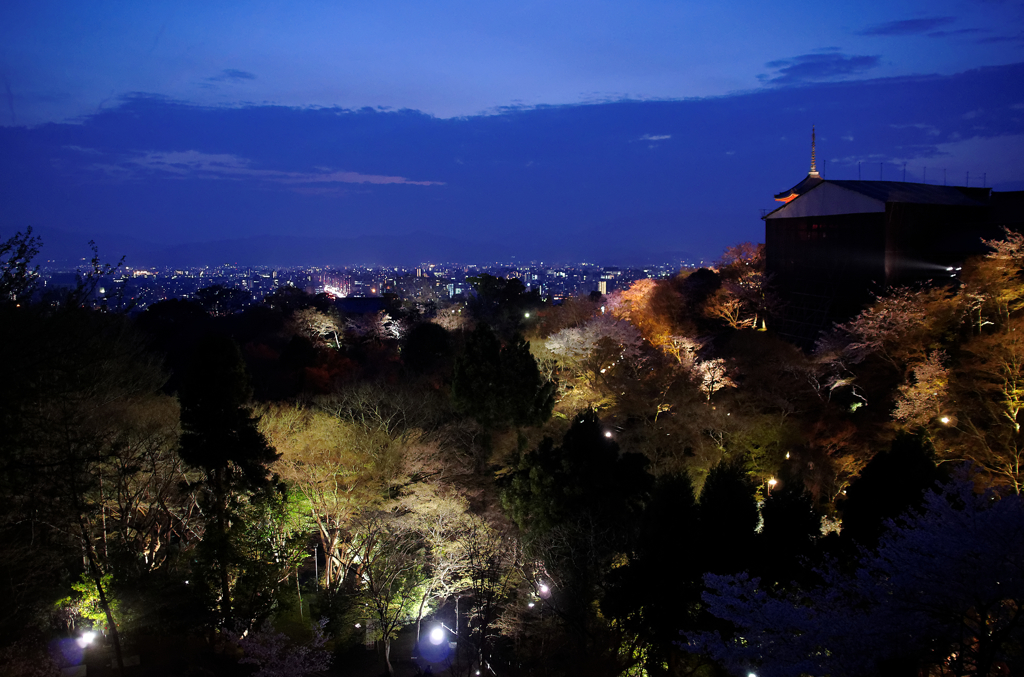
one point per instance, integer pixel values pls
(86, 639)
(945, 420)
(437, 636)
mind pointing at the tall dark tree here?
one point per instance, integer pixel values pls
(501, 303)
(728, 518)
(221, 437)
(657, 594)
(786, 542)
(500, 386)
(579, 506)
(891, 484)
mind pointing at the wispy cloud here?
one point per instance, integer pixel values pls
(957, 33)
(997, 39)
(655, 137)
(80, 149)
(232, 74)
(817, 68)
(931, 130)
(194, 164)
(908, 26)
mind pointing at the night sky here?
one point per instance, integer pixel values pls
(395, 132)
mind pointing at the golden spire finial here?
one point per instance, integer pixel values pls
(814, 168)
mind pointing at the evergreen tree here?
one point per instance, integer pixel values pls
(657, 594)
(579, 506)
(500, 386)
(220, 436)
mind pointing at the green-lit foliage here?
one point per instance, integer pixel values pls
(84, 602)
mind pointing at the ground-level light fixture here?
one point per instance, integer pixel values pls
(86, 639)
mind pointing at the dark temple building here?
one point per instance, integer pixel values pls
(832, 243)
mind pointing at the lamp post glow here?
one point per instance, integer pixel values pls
(771, 483)
(437, 636)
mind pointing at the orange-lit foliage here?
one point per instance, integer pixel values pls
(653, 307)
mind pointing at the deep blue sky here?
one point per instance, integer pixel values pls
(572, 130)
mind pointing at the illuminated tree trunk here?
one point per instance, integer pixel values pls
(97, 576)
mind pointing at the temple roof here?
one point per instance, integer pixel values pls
(880, 193)
(810, 181)
(918, 193)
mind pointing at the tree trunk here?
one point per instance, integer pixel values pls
(419, 612)
(97, 577)
(387, 656)
(222, 560)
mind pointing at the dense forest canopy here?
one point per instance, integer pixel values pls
(644, 483)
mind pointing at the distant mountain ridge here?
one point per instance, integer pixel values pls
(65, 248)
